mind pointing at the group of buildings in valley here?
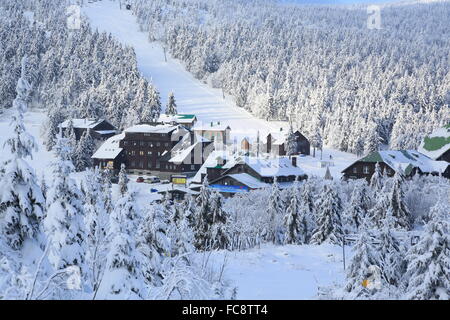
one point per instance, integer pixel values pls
(179, 146)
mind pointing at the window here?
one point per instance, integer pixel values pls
(133, 153)
(158, 144)
(158, 165)
(192, 166)
(141, 153)
(125, 143)
(149, 165)
(134, 143)
(133, 164)
(366, 170)
(166, 144)
(149, 153)
(355, 170)
(142, 143)
(141, 165)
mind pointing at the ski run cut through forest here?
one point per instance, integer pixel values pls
(324, 171)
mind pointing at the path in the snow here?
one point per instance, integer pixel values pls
(192, 95)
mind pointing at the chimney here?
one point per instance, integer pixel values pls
(294, 161)
(212, 124)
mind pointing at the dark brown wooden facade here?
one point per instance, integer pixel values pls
(365, 170)
(445, 156)
(303, 145)
(95, 131)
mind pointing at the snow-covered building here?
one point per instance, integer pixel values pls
(214, 131)
(100, 129)
(160, 149)
(410, 162)
(186, 120)
(437, 145)
(276, 143)
(242, 174)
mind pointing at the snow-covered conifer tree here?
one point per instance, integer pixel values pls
(219, 238)
(391, 260)
(123, 180)
(363, 265)
(291, 218)
(291, 143)
(397, 203)
(96, 224)
(84, 152)
(329, 225)
(274, 210)
(154, 244)
(21, 198)
(359, 205)
(428, 262)
(376, 181)
(64, 223)
(171, 108)
(123, 278)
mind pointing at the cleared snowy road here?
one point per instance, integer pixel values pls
(192, 95)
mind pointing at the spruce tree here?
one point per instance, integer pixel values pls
(96, 221)
(84, 152)
(171, 108)
(219, 238)
(389, 250)
(123, 180)
(376, 181)
(274, 210)
(329, 225)
(359, 205)
(154, 244)
(203, 210)
(291, 219)
(428, 262)
(362, 265)
(397, 203)
(64, 223)
(123, 277)
(21, 198)
(291, 143)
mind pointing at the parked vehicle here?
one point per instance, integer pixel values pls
(140, 180)
(165, 181)
(153, 180)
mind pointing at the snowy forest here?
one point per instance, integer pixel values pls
(81, 74)
(341, 83)
(78, 236)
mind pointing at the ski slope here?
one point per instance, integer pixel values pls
(192, 96)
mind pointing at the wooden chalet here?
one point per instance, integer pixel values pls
(411, 162)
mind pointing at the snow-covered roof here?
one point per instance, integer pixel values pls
(279, 137)
(406, 160)
(105, 132)
(248, 180)
(180, 189)
(110, 148)
(146, 128)
(82, 123)
(215, 158)
(271, 167)
(213, 126)
(437, 143)
(180, 156)
(179, 118)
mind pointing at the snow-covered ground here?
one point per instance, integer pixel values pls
(282, 272)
